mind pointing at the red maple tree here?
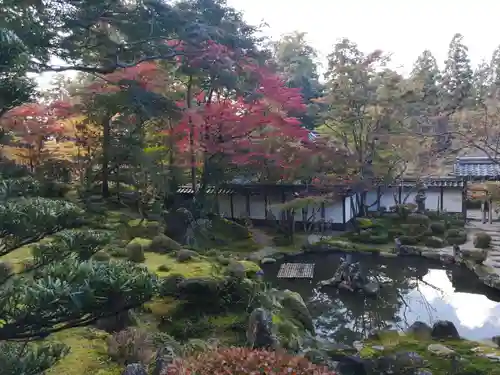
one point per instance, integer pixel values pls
(32, 124)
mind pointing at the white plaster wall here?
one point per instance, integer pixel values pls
(240, 206)
(432, 201)
(348, 209)
(371, 199)
(387, 198)
(452, 200)
(224, 205)
(257, 207)
(272, 201)
(408, 195)
(333, 213)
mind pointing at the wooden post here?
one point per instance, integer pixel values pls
(490, 210)
(441, 205)
(266, 203)
(343, 210)
(247, 202)
(400, 194)
(232, 205)
(379, 196)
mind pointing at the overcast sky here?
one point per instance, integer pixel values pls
(403, 28)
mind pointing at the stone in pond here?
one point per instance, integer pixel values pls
(420, 330)
(371, 288)
(260, 329)
(268, 261)
(135, 369)
(444, 329)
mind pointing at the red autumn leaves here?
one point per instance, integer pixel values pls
(251, 128)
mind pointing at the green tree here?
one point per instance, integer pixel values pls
(296, 60)
(425, 78)
(61, 287)
(365, 109)
(457, 76)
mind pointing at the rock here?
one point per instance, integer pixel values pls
(444, 329)
(315, 356)
(476, 255)
(380, 335)
(420, 330)
(135, 369)
(236, 269)
(260, 329)
(496, 340)
(329, 282)
(398, 363)
(440, 350)
(268, 261)
(185, 255)
(409, 250)
(358, 345)
(163, 358)
(371, 288)
(296, 306)
(163, 244)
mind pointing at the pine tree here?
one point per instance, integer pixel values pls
(457, 76)
(425, 78)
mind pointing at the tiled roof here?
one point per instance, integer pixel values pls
(432, 182)
(477, 167)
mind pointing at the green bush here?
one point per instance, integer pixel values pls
(414, 229)
(130, 346)
(419, 219)
(135, 252)
(164, 268)
(163, 244)
(438, 228)
(482, 240)
(364, 222)
(460, 240)
(454, 232)
(408, 240)
(118, 252)
(282, 240)
(143, 228)
(395, 232)
(434, 242)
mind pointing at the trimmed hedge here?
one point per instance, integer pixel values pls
(438, 228)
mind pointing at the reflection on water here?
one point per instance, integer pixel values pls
(412, 290)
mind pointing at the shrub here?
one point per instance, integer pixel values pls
(457, 240)
(454, 233)
(118, 252)
(244, 361)
(414, 229)
(101, 256)
(135, 252)
(164, 268)
(482, 240)
(143, 228)
(163, 244)
(438, 228)
(169, 285)
(395, 232)
(364, 222)
(434, 242)
(408, 240)
(419, 219)
(6, 270)
(282, 240)
(130, 346)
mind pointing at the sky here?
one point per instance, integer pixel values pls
(403, 28)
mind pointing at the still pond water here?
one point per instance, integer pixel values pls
(413, 289)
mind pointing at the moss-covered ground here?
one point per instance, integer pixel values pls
(88, 347)
(467, 353)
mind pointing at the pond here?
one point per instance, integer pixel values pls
(413, 289)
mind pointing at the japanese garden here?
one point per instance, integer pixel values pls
(188, 196)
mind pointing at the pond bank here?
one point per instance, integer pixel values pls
(486, 273)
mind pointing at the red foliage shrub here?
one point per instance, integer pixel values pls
(244, 361)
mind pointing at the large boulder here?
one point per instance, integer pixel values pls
(444, 329)
(260, 330)
(420, 330)
(163, 244)
(476, 255)
(198, 290)
(185, 255)
(296, 307)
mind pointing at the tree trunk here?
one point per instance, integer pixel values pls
(106, 138)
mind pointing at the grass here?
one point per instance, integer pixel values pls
(88, 354)
(195, 268)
